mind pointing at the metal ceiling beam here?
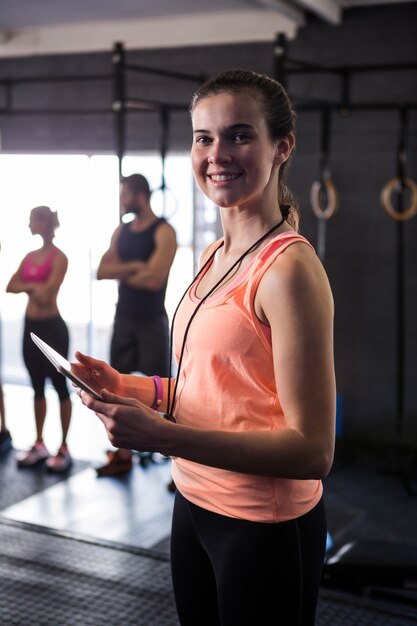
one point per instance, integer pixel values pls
(4, 36)
(228, 27)
(285, 8)
(329, 10)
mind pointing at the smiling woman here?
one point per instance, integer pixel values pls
(231, 139)
(251, 412)
(229, 157)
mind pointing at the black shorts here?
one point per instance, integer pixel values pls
(55, 332)
(140, 346)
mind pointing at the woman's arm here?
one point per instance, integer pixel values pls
(99, 375)
(295, 298)
(16, 284)
(40, 294)
(45, 293)
(143, 389)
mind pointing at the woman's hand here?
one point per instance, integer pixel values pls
(128, 422)
(97, 374)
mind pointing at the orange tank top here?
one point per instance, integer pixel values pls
(227, 382)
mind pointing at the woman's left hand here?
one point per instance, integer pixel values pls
(128, 422)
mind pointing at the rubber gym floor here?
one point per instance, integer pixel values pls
(57, 569)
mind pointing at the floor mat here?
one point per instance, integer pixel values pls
(365, 502)
(52, 580)
(133, 509)
(17, 484)
(163, 546)
(339, 609)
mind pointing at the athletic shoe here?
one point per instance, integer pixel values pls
(5, 441)
(35, 455)
(171, 487)
(118, 463)
(61, 462)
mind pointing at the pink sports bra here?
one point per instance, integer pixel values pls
(33, 273)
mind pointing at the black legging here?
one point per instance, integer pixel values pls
(232, 572)
(55, 332)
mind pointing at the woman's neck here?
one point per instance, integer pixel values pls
(242, 230)
(48, 242)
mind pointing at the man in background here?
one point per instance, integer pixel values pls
(140, 257)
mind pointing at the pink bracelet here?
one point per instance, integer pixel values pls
(159, 392)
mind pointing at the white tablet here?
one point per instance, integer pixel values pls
(62, 365)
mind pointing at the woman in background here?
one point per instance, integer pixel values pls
(40, 275)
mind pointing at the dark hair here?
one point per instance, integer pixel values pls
(137, 184)
(279, 116)
(46, 213)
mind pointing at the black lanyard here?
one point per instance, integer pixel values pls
(170, 405)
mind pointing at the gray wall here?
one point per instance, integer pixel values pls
(361, 255)
(361, 247)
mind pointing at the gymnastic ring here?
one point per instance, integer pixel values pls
(164, 202)
(332, 198)
(386, 193)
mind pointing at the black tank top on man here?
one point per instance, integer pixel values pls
(139, 303)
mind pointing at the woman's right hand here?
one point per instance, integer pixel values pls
(97, 374)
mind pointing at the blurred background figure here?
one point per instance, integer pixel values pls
(5, 436)
(40, 275)
(140, 257)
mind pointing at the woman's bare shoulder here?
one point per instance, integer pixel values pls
(297, 272)
(204, 255)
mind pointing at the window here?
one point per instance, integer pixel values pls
(85, 192)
